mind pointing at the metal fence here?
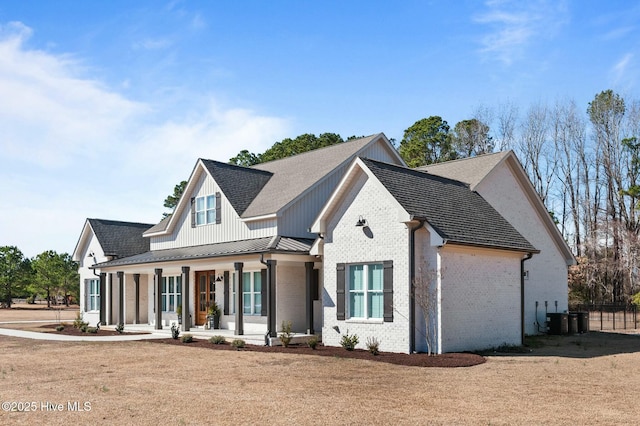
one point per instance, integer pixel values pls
(610, 317)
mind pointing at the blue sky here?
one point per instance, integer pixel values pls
(105, 106)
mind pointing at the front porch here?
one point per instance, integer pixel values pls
(200, 332)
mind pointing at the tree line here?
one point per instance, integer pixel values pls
(48, 275)
(583, 161)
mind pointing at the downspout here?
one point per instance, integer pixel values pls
(268, 284)
(524, 259)
(412, 277)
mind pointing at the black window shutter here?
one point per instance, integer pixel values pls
(193, 212)
(218, 209)
(340, 294)
(263, 292)
(388, 290)
(226, 293)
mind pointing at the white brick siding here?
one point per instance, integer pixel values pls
(548, 269)
(346, 243)
(480, 298)
(290, 296)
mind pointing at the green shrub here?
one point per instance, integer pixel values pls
(373, 345)
(120, 328)
(60, 327)
(78, 323)
(349, 342)
(218, 340)
(187, 338)
(312, 342)
(286, 335)
(175, 331)
(92, 330)
(84, 327)
(238, 344)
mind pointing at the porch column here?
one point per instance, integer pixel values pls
(120, 297)
(186, 322)
(103, 298)
(136, 283)
(271, 297)
(238, 283)
(158, 285)
(308, 266)
(110, 296)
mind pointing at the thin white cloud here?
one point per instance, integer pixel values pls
(620, 72)
(48, 113)
(72, 148)
(152, 44)
(513, 25)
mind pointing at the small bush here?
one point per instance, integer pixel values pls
(218, 340)
(373, 345)
(349, 342)
(175, 331)
(60, 327)
(286, 335)
(84, 327)
(92, 330)
(120, 328)
(238, 344)
(312, 342)
(187, 338)
(78, 323)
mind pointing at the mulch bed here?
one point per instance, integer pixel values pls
(415, 360)
(70, 330)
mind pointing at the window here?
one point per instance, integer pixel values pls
(251, 293)
(171, 293)
(93, 295)
(366, 297)
(206, 210)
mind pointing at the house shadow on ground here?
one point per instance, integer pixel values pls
(587, 345)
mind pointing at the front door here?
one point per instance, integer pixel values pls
(205, 294)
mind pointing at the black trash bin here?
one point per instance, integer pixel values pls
(558, 323)
(573, 323)
(583, 322)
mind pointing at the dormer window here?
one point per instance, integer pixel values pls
(205, 210)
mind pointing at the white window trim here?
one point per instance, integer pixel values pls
(166, 294)
(205, 210)
(365, 292)
(252, 292)
(95, 297)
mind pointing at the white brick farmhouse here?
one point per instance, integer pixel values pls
(333, 241)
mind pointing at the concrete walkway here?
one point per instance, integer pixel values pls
(61, 337)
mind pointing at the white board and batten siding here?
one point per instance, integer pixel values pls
(232, 228)
(298, 217)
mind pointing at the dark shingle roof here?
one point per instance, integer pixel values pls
(239, 184)
(120, 239)
(458, 214)
(275, 244)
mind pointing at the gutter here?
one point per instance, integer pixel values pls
(524, 259)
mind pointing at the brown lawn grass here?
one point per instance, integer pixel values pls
(588, 379)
